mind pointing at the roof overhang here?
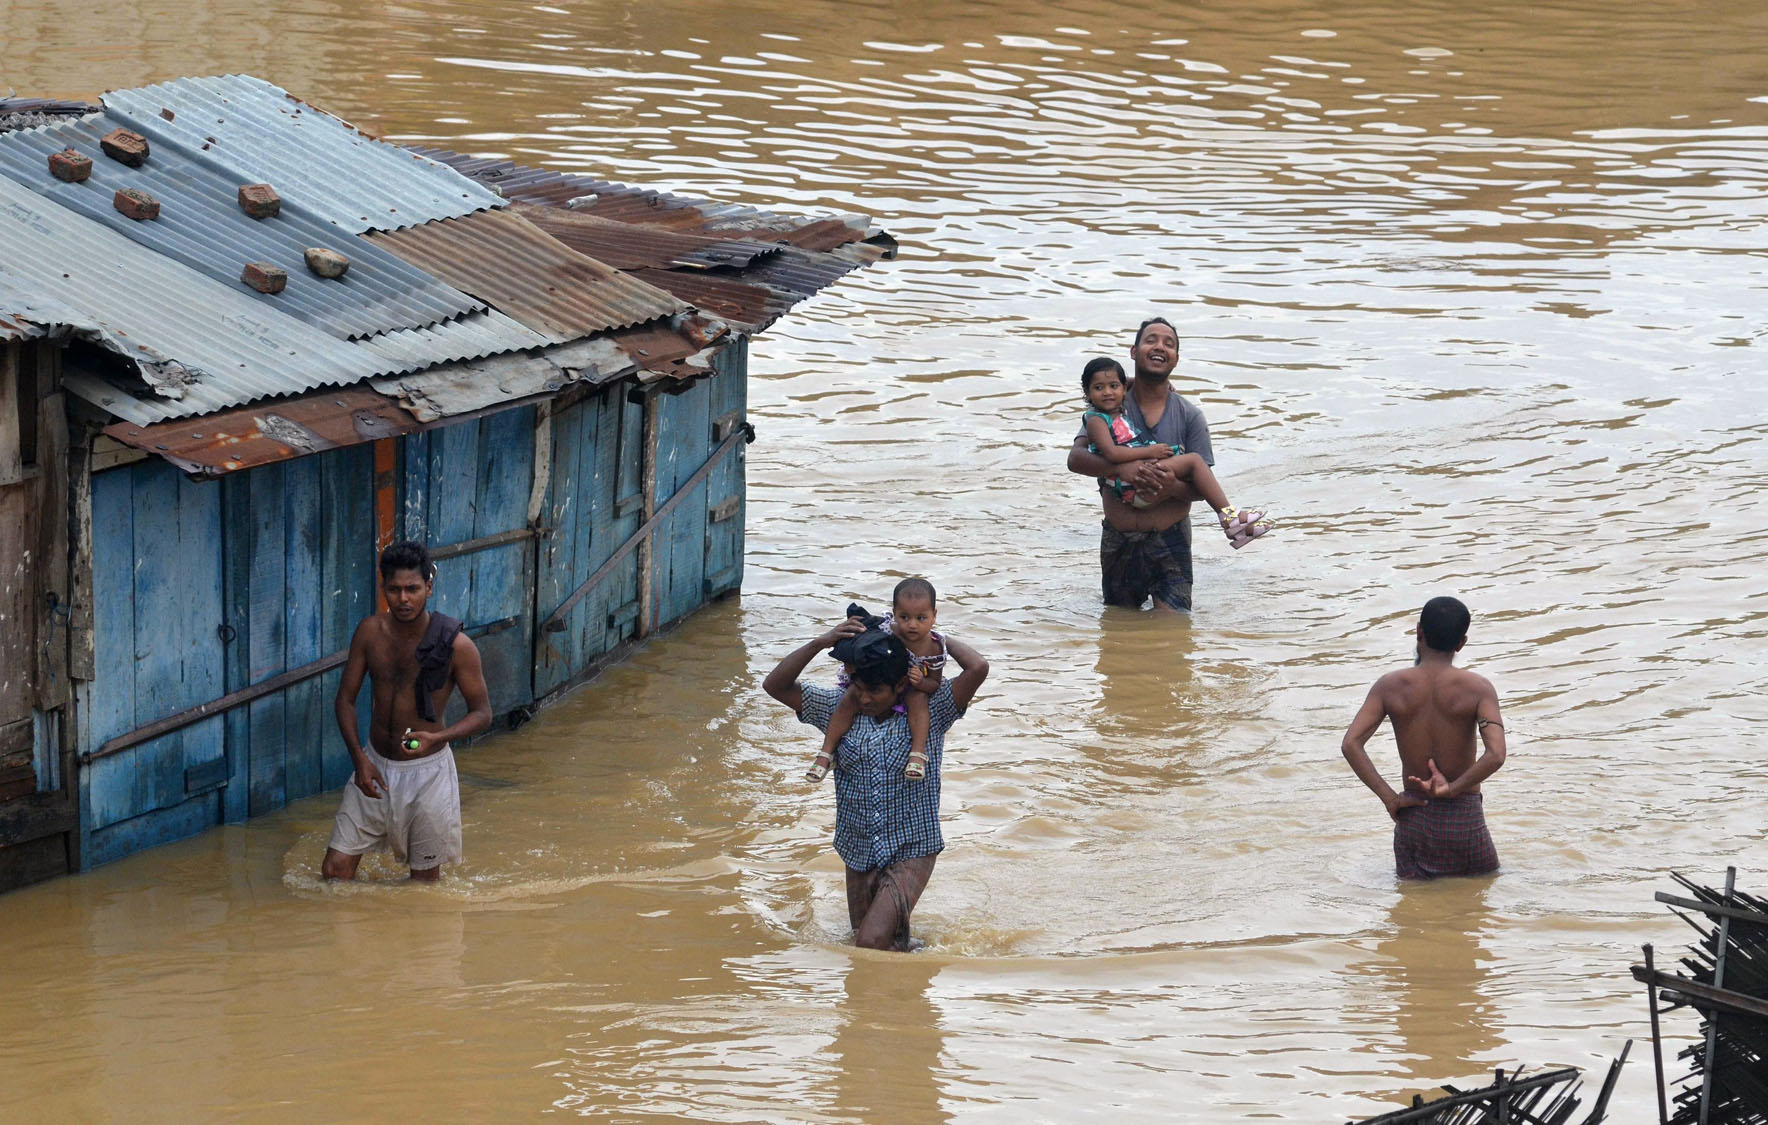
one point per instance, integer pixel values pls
(669, 355)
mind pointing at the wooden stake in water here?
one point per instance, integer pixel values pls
(1723, 938)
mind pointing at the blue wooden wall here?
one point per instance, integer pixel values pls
(203, 588)
(594, 504)
(157, 600)
(299, 558)
(466, 482)
(695, 561)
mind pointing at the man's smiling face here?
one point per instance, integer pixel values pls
(1156, 351)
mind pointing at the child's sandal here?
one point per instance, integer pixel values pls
(917, 767)
(1235, 521)
(819, 769)
(1247, 533)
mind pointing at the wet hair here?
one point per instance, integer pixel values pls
(1096, 365)
(1143, 327)
(407, 555)
(1444, 623)
(889, 667)
(914, 588)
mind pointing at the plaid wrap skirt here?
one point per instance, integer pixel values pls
(1446, 837)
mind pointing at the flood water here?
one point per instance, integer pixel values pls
(1472, 296)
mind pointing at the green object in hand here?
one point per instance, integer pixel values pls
(412, 744)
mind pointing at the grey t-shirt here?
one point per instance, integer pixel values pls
(1181, 426)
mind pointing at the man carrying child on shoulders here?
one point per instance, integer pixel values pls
(886, 824)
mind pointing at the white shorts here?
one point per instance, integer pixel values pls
(418, 817)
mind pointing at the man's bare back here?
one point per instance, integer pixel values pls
(1439, 712)
(1435, 710)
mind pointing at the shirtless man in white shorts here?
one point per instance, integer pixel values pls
(405, 794)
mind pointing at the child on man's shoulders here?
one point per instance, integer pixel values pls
(913, 613)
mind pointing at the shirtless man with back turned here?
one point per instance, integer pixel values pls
(1436, 708)
(405, 793)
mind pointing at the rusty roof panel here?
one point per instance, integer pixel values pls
(731, 299)
(629, 246)
(306, 154)
(476, 385)
(276, 431)
(11, 329)
(801, 273)
(249, 436)
(513, 265)
(623, 203)
(201, 225)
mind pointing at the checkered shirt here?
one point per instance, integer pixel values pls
(882, 817)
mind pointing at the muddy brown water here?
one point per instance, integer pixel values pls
(1472, 296)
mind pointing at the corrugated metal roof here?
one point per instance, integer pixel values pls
(730, 299)
(264, 433)
(622, 203)
(800, 273)
(28, 113)
(629, 246)
(309, 156)
(43, 105)
(508, 262)
(200, 345)
(202, 226)
(205, 346)
(474, 335)
(462, 388)
(246, 437)
(28, 314)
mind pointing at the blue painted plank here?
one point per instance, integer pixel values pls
(348, 586)
(202, 663)
(621, 587)
(724, 540)
(157, 827)
(597, 530)
(110, 782)
(266, 627)
(454, 465)
(160, 631)
(236, 536)
(414, 487)
(305, 542)
(685, 441)
(505, 479)
(557, 552)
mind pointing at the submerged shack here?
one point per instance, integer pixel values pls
(204, 441)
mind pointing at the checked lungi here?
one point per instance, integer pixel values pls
(1445, 837)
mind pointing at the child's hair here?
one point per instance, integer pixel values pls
(407, 555)
(1093, 367)
(914, 588)
(892, 667)
(1444, 623)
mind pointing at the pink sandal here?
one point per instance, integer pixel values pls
(1243, 525)
(1248, 533)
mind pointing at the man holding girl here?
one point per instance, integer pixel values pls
(1145, 550)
